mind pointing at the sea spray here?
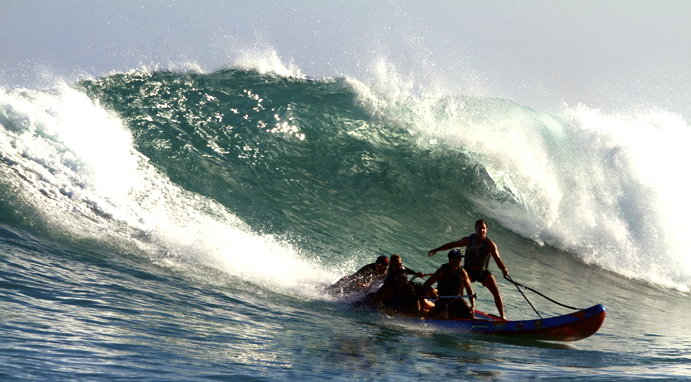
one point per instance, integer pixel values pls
(76, 176)
(636, 168)
(608, 188)
(296, 168)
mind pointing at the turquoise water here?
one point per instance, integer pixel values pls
(165, 225)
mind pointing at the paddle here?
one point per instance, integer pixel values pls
(422, 277)
(534, 291)
(440, 297)
(463, 295)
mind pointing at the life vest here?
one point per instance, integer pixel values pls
(477, 255)
(449, 283)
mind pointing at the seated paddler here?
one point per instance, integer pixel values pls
(362, 280)
(397, 295)
(451, 280)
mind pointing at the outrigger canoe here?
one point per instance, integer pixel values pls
(569, 327)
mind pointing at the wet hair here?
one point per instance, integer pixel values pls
(481, 221)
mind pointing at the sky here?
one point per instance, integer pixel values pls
(610, 55)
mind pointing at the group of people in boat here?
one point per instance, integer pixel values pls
(453, 295)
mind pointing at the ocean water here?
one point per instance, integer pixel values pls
(164, 225)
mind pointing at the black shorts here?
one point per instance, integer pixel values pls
(478, 276)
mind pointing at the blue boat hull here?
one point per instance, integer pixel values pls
(569, 327)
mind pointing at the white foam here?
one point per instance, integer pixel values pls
(77, 169)
(608, 187)
(265, 59)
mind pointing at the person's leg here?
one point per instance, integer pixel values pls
(491, 283)
(441, 309)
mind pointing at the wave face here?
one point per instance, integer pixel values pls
(317, 173)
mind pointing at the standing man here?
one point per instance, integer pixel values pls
(478, 249)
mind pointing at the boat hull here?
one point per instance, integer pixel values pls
(569, 327)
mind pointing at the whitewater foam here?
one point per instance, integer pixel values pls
(607, 187)
(265, 59)
(77, 171)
